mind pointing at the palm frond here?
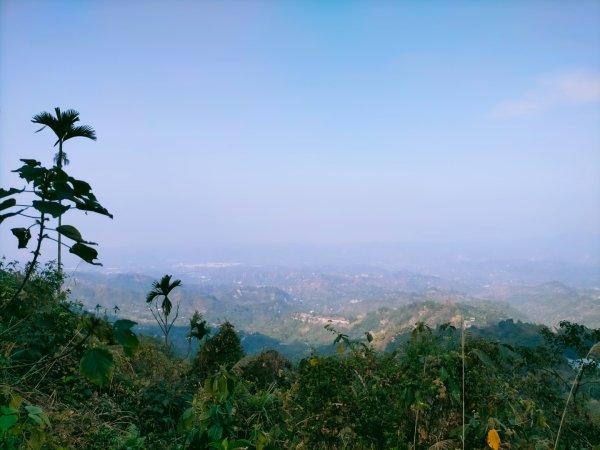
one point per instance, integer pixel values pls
(167, 286)
(153, 294)
(69, 116)
(174, 284)
(85, 131)
(46, 119)
(164, 283)
(62, 124)
(163, 288)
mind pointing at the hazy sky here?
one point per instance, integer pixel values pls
(311, 122)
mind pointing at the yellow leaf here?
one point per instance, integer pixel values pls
(340, 348)
(493, 439)
(313, 361)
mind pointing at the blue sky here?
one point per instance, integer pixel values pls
(312, 122)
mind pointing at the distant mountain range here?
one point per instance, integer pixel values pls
(289, 307)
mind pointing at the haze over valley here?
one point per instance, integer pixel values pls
(288, 306)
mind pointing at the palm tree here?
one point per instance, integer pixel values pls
(63, 125)
(163, 288)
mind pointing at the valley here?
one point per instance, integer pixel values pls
(287, 308)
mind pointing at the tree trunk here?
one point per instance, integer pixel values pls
(59, 166)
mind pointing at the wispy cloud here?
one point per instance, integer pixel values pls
(551, 92)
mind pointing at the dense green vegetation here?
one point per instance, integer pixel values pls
(410, 397)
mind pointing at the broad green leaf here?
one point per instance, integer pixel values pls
(61, 191)
(8, 410)
(88, 254)
(215, 432)
(36, 418)
(34, 409)
(128, 340)
(80, 187)
(31, 162)
(23, 235)
(11, 191)
(206, 415)
(485, 359)
(97, 365)
(188, 414)
(8, 421)
(55, 209)
(8, 203)
(30, 173)
(72, 233)
(92, 206)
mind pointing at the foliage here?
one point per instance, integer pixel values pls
(355, 399)
(21, 423)
(63, 126)
(101, 387)
(210, 418)
(222, 349)
(225, 414)
(51, 349)
(198, 328)
(264, 369)
(50, 188)
(163, 288)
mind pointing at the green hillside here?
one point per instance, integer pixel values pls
(71, 379)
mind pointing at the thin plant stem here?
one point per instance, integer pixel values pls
(33, 263)
(575, 383)
(59, 166)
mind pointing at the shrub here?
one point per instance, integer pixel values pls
(268, 367)
(222, 349)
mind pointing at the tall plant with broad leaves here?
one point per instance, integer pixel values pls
(63, 126)
(49, 194)
(54, 193)
(162, 289)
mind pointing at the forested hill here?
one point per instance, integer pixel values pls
(291, 306)
(384, 379)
